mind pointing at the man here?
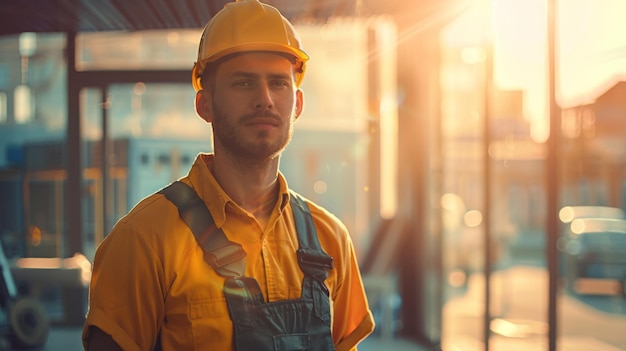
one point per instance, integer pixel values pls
(263, 268)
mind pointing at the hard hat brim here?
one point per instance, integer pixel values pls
(300, 56)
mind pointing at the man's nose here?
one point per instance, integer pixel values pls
(264, 98)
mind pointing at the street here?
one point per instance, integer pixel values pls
(519, 310)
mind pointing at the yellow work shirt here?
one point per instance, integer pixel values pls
(149, 275)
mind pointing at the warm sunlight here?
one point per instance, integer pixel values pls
(591, 53)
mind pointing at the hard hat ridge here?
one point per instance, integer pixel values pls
(245, 26)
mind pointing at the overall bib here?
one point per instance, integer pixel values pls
(287, 325)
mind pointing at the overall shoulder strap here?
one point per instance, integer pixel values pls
(226, 257)
(312, 259)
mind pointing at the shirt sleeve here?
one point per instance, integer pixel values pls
(125, 296)
(352, 318)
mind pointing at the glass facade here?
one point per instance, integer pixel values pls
(494, 136)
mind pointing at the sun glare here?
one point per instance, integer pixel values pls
(591, 50)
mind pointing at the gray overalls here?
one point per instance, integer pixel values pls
(287, 325)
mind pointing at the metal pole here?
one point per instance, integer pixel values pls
(552, 184)
(73, 190)
(487, 189)
(105, 155)
(73, 185)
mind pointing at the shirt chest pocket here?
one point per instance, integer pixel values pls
(211, 325)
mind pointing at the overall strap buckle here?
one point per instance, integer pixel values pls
(314, 263)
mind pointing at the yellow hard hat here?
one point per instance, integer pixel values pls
(247, 25)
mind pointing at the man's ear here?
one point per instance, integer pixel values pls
(204, 106)
(299, 103)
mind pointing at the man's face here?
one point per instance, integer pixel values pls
(254, 103)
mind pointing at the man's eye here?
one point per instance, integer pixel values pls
(281, 83)
(242, 83)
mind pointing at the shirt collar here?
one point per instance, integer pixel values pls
(209, 190)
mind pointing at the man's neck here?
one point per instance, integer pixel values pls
(255, 188)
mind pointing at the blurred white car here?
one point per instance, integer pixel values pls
(595, 253)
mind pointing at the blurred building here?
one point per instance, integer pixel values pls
(594, 149)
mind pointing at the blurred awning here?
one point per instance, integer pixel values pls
(48, 16)
(17, 16)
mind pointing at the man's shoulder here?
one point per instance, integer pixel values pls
(315, 208)
(151, 207)
(153, 214)
(323, 218)
(153, 222)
